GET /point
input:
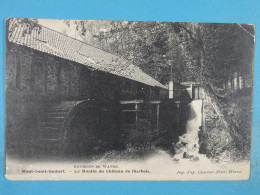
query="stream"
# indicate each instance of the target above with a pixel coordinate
(187, 149)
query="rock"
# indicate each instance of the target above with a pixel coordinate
(178, 145)
(175, 159)
(194, 158)
(191, 157)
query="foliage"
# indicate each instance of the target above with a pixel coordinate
(215, 142)
(140, 135)
(207, 53)
(220, 141)
(223, 51)
(239, 108)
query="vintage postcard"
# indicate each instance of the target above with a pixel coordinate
(126, 100)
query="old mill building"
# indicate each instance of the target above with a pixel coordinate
(63, 95)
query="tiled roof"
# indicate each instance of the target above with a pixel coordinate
(58, 44)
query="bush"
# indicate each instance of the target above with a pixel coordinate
(239, 110)
(231, 142)
(140, 135)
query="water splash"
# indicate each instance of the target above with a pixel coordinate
(187, 149)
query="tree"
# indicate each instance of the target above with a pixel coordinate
(211, 54)
(225, 51)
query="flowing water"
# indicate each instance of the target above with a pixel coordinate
(187, 149)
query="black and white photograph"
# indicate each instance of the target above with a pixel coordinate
(127, 100)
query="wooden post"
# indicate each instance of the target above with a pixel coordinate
(157, 122)
(191, 89)
(235, 82)
(232, 83)
(238, 81)
(136, 114)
